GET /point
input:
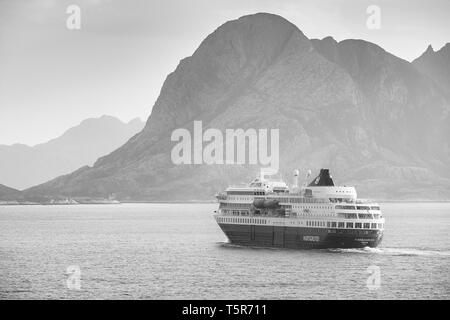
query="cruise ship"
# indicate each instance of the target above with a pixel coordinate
(268, 213)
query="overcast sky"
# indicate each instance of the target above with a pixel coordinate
(52, 78)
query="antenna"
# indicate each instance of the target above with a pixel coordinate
(296, 173)
(308, 174)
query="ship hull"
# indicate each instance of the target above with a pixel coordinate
(300, 237)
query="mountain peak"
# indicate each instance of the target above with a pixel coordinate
(265, 16)
(233, 56)
(263, 32)
(436, 65)
(329, 39)
(136, 120)
(95, 121)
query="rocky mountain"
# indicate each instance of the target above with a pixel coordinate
(372, 118)
(22, 166)
(407, 115)
(435, 64)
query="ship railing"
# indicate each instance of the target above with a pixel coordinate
(240, 185)
(364, 201)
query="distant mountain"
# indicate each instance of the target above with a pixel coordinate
(7, 193)
(23, 166)
(372, 118)
(436, 65)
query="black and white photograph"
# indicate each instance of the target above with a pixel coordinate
(224, 150)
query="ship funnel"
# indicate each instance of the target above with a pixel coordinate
(323, 179)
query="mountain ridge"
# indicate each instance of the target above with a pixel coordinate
(22, 166)
(435, 65)
(337, 105)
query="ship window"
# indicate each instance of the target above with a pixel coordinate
(328, 224)
(374, 225)
(350, 225)
(333, 224)
(366, 225)
(358, 225)
(340, 225)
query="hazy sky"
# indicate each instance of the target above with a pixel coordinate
(52, 78)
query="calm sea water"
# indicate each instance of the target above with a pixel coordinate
(176, 251)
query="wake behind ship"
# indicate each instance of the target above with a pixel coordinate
(267, 213)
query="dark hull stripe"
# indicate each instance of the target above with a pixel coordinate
(300, 237)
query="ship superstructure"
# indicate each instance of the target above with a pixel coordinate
(268, 213)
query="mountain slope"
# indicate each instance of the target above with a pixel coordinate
(351, 107)
(7, 193)
(22, 166)
(408, 112)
